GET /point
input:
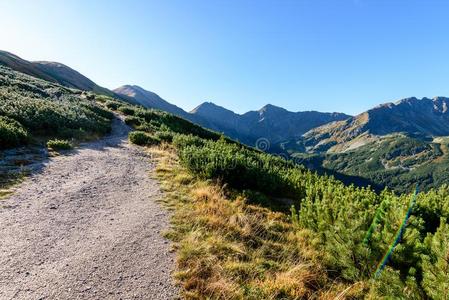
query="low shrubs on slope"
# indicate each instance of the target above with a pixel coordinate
(42, 108)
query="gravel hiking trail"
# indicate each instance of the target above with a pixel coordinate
(88, 226)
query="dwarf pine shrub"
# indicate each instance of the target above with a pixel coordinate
(127, 110)
(57, 144)
(142, 139)
(12, 133)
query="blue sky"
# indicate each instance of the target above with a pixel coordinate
(345, 55)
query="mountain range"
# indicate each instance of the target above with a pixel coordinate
(272, 123)
(415, 117)
(386, 145)
(394, 144)
(148, 99)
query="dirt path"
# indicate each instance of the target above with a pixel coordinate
(87, 227)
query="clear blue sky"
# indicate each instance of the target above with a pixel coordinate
(342, 55)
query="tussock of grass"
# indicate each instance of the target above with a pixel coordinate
(7, 183)
(4, 193)
(57, 144)
(229, 249)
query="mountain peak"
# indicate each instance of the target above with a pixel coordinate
(53, 72)
(210, 107)
(52, 63)
(272, 108)
(130, 87)
(148, 99)
(272, 111)
(409, 101)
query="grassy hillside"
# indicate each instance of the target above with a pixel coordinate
(33, 111)
(32, 107)
(236, 237)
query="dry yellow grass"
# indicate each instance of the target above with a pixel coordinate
(5, 192)
(8, 183)
(229, 249)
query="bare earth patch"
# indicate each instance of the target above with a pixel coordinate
(88, 226)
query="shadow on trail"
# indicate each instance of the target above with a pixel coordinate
(31, 160)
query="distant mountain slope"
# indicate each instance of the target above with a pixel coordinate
(273, 123)
(397, 161)
(393, 145)
(66, 76)
(220, 119)
(218, 116)
(149, 99)
(53, 72)
(16, 63)
(417, 117)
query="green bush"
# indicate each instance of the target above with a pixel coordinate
(240, 167)
(436, 263)
(59, 144)
(147, 127)
(12, 133)
(142, 139)
(181, 141)
(99, 111)
(164, 136)
(127, 110)
(133, 121)
(114, 105)
(102, 98)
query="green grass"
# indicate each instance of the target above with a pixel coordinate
(59, 144)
